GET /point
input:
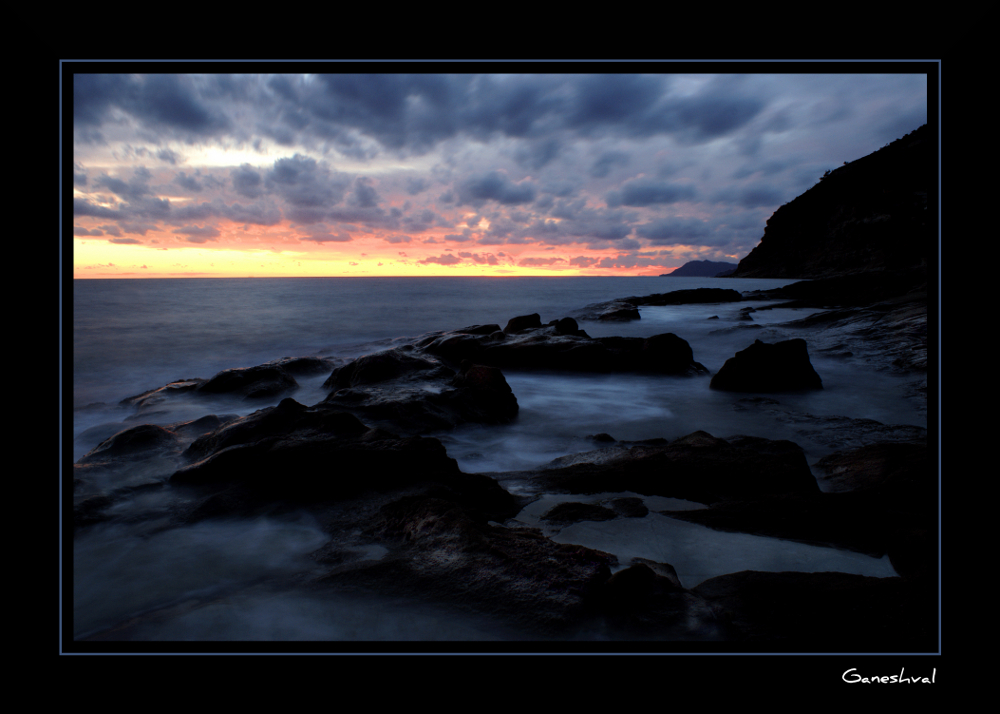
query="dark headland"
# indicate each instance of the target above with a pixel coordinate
(362, 463)
(702, 269)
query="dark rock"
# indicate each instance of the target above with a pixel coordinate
(139, 442)
(309, 460)
(479, 330)
(443, 554)
(483, 394)
(381, 367)
(282, 420)
(698, 467)
(689, 297)
(624, 313)
(635, 588)
(304, 366)
(557, 348)
(262, 381)
(522, 323)
(854, 290)
(155, 396)
(602, 438)
(565, 326)
(204, 425)
(763, 367)
(415, 392)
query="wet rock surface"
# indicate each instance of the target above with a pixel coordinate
(558, 346)
(698, 467)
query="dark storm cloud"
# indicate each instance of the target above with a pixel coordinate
(415, 185)
(605, 100)
(303, 183)
(189, 183)
(400, 111)
(170, 157)
(125, 241)
(171, 101)
(132, 190)
(198, 234)
(673, 231)
(261, 214)
(495, 186)
(422, 221)
(164, 101)
(759, 195)
(363, 196)
(646, 192)
(537, 154)
(413, 113)
(513, 106)
(83, 207)
(95, 94)
(607, 161)
(765, 168)
(80, 231)
(247, 182)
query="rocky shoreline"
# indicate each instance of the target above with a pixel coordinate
(362, 463)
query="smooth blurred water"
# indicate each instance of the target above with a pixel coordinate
(133, 335)
(218, 581)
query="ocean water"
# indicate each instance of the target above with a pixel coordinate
(130, 336)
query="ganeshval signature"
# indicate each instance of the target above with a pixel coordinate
(852, 677)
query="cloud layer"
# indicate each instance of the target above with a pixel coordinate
(606, 173)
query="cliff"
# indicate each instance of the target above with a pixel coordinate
(872, 214)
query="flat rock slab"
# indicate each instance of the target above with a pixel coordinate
(529, 346)
(698, 467)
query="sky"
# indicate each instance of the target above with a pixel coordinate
(339, 174)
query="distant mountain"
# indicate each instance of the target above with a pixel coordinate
(701, 269)
(874, 213)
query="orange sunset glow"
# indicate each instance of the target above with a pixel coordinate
(274, 175)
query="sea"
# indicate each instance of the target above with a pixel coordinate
(131, 336)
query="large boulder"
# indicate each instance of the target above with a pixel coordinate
(405, 389)
(522, 323)
(763, 367)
